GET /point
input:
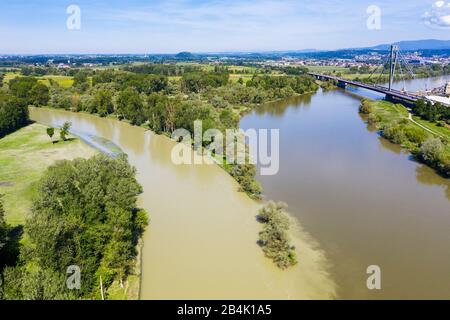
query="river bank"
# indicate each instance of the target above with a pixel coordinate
(203, 245)
(396, 124)
(29, 150)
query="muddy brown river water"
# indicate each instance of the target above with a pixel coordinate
(364, 199)
(201, 241)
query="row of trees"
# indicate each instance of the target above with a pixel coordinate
(143, 83)
(84, 215)
(200, 81)
(433, 112)
(283, 86)
(162, 69)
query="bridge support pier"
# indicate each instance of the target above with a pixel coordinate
(395, 99)
(342, 84)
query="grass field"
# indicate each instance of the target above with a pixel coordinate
(389, 111)
(24, 156)
(442, 131)
(63, 81)
(11, 75)
(236, 77)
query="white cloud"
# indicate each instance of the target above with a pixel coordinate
(438, 16)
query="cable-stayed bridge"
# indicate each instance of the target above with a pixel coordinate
(398, 96)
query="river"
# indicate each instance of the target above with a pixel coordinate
(362, 198)
(201, 241)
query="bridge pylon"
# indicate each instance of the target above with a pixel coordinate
(393, 58)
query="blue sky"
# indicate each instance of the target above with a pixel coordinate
(147, 26)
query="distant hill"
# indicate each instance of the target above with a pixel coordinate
(430, 44)
(185, 55)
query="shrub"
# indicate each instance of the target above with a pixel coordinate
(373, 119)
(432, 150)
(394, 133)
(415, 135)
(245, 176)
(273, 238)
(365, 107)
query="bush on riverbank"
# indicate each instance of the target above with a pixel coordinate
(433, 152)
(365, 107)
(394, 125)
(245, 176)
(274, 239)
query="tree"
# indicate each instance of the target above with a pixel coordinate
(39, 95)
(130, 105)
(84, 214)
(21, 283)
(13, 113)
(3, 230)
(21, 88)
(102, 103)
(432, 150)
(197, 82)
(65, 130)
(81, 81)
(50, 133)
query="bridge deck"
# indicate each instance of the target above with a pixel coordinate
(392, 93)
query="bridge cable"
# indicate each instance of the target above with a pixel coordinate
(375, 70)
(402, 76)
(382, 71)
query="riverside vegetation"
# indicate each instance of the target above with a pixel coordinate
(145, 96)
(429, 146)
(83, 213)
(274, 238)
